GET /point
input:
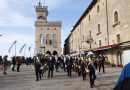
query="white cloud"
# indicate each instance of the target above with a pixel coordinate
(11, 18)
(7, 40)
(22, 38)
(16, 19)
(3, 5)
(55, 4)
(11, 21)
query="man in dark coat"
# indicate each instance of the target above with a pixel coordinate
(50, 63)
(83, 66)
(37, 66)
(92, 75)
(69, 63)
(123, 82)
(0, 59)
(101, 63)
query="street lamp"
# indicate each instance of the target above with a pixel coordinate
(90, 41)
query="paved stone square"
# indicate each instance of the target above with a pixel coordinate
(25, 80)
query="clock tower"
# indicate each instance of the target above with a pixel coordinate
(41, 12)
(47, 33)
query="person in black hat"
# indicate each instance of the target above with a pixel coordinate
(92, 75)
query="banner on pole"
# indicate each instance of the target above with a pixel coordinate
(22, 48)
(29, 48)
(11, 46)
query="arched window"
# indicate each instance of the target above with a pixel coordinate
(41, 39)
(54, 28)
(99, 28)
(98, 8)
(116, 18)
(89, 18)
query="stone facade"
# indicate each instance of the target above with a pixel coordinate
(119, 31)
(103, 28)
(48, 33)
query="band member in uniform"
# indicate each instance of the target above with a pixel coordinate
(92, 75)
(37, 66)
(101, 63)
(69, 63)
(83, 66)
(50, 63)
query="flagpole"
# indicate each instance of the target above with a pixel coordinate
(30, 50)
(24, 50)
(30, 53)
(15, 48)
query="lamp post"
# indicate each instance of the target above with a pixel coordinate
(90, 40)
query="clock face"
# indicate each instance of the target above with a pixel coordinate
(41, 17)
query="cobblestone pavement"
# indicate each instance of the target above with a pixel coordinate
(25, 80)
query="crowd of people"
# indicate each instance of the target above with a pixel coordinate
(15, 62)
(81, 66)
(48, 63)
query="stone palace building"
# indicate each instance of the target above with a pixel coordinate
(48, 33)
(104, 27)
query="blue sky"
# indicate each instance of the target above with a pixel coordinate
(17, 21)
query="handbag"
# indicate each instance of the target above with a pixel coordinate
(12, 66)
(96, 72)
(87, 70)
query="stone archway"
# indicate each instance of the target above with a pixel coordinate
(55, 52)
(48, 52)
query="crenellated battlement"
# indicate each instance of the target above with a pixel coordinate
(54, 22)
(48, 23)
(39, 6)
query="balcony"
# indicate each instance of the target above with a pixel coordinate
(116, 23)
(89, 40)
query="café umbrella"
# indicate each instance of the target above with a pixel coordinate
(90, 54)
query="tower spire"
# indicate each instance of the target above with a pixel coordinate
(42, 11)
(39, 4)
